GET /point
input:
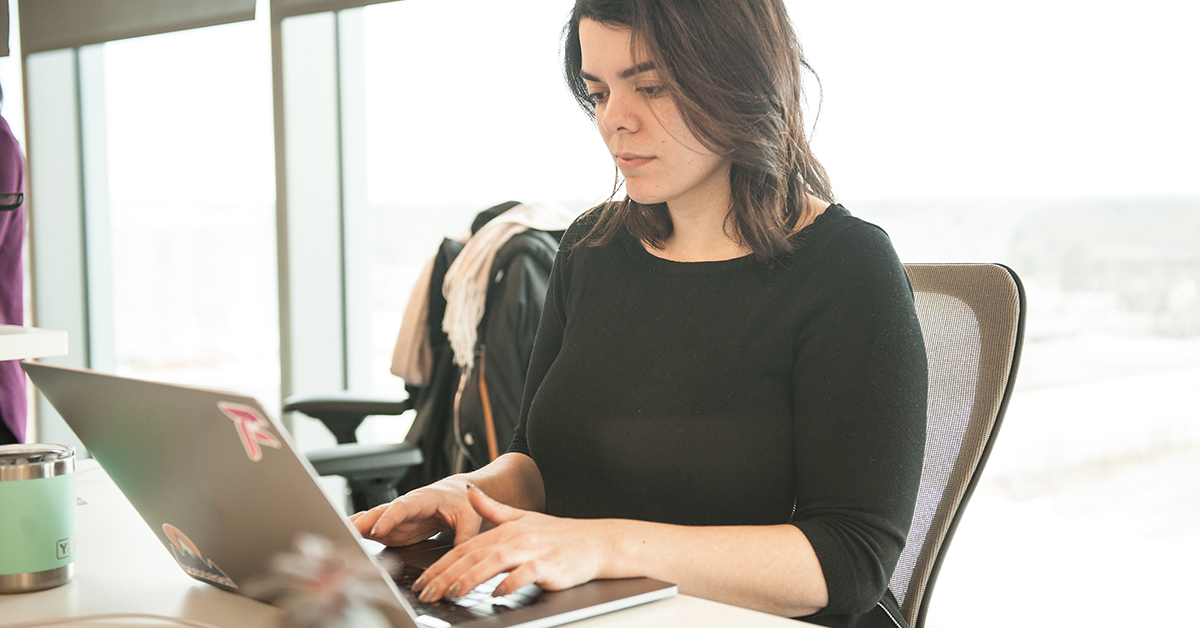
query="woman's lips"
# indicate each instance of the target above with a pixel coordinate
(632, 162)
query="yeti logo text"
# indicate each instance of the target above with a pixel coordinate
(253, 428)
(65, 548)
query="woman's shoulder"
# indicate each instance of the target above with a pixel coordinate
(588, 235)
(836, 231)
(582, 225)
(575, 249)
(846, 250)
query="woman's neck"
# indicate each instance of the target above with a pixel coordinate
(700, 237)
(700, 231)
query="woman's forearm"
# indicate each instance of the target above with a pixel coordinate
(512, 479)
(768, 568)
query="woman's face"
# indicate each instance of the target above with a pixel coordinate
(656, 152)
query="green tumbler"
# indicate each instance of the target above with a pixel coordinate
(37, 517)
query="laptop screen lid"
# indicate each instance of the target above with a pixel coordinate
(217, 480)
(222, 487)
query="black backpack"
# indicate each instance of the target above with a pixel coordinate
(466, 417)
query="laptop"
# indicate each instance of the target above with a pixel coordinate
(222, 486)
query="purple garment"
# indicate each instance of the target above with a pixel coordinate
(12, 301)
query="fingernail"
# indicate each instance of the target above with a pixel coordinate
(452, 592)
(427, 596)
(419, 584)
(374, 530)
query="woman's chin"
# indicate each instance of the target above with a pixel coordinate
(643, 197)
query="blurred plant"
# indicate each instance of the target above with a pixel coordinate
(320, 586)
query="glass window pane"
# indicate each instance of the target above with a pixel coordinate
(191, 186)
(1057, 138)
(466, 108)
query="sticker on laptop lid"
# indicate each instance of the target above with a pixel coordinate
(192, 561)
(253, 428)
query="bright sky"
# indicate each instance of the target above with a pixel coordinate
(926, 98)
(1022, 98)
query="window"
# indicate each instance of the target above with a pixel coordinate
(1057, 138)
(191, 189)
(466, 108)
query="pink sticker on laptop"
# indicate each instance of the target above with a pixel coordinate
(253, 428)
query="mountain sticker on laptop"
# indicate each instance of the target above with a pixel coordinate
(253, 428)
(192, 561)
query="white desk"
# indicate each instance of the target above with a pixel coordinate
(122, 568)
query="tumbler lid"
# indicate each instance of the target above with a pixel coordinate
(27, 462)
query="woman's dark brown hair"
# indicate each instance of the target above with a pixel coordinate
(734, 69)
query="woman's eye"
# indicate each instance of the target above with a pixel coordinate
(653, 91)
(598, 97)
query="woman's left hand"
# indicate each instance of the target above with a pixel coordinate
(535, 548)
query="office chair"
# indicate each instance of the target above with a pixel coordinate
(973, 320)
(372, 471)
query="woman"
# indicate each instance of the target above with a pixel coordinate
(727, 389)
(12, 300)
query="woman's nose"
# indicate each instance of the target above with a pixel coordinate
(620, 114)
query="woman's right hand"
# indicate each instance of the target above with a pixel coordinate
(421, 513)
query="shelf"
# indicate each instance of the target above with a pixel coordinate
(22, 343)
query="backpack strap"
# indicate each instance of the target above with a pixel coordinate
(489, 421)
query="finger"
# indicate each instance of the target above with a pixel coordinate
(488, 568)
(355, 518)
(401, 509)
(462, 569)
(436, 580)
(467, 526)
(491, 509)
(523, 575)
(363, 521)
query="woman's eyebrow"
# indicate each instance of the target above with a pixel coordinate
(637, 69)
(630, 72)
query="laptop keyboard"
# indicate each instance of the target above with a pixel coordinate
(476, 604)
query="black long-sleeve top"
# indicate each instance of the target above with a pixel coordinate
(737, 393)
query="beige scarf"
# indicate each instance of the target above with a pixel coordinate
(465, 288)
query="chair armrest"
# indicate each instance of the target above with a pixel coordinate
(366, 462)
(346, 403)
(343, 412)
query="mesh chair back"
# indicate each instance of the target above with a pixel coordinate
(972, 318)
